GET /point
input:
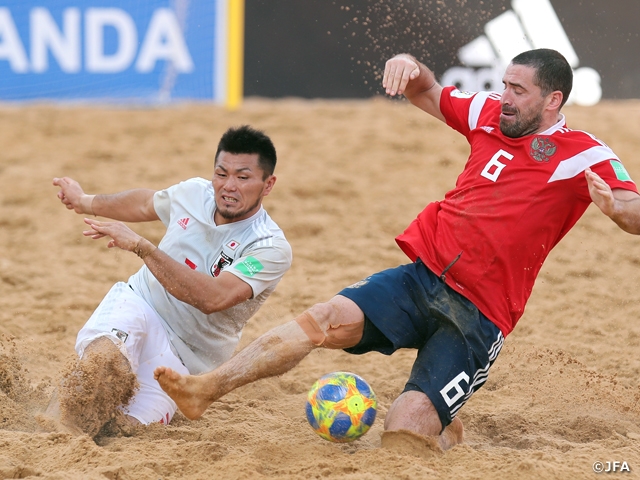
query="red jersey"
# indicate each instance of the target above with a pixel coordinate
(514, 201)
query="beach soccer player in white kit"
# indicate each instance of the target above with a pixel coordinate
(220, 259)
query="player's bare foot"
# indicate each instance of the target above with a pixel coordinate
(186, 390)
(452, 435)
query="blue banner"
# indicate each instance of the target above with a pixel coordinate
(114, 50)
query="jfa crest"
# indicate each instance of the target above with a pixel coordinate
(542, 148)
(222, 261)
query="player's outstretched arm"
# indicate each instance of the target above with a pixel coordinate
(404, 75)
(204, 292)
(621, 206)
(128, 206)
(73, 197)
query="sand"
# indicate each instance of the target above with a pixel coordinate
(564, 393)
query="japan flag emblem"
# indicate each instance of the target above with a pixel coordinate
(233, 244)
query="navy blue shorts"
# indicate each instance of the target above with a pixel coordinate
(410, 307)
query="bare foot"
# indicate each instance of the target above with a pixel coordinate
(186, 390)
(452, 435)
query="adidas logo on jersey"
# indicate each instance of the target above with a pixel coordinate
(487, 129)
(183, 222)
(530, 24)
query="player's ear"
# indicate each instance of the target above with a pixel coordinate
(555, 100)
(268, 185)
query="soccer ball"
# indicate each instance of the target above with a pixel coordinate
(341, 407)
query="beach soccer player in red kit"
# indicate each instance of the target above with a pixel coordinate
(474, 255)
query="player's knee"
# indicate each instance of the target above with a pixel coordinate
(326, 326)
(413, 410)
(314, 321)
(323, 314)
(108, 347)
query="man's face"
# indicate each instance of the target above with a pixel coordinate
(239, 186)
(522, 102)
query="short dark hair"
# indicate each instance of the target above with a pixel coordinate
(244, 139)
(553, 72)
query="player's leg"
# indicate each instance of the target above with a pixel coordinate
(150, 403)
(117, 345)
(334, 324)
(453, 364)
(410, 307)
(412, 411)
(91, 391)
(424, 408)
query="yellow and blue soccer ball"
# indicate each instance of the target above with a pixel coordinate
(341, 407)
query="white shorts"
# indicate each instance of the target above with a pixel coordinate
(135, 328)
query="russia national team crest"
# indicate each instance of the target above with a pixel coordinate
(542, 148)
(222, 261)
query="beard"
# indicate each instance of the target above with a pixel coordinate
(522, 125)
(232, 215)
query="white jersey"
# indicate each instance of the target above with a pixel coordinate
(255, 250)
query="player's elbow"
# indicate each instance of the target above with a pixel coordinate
(213, 305)
(627, 222)
(210, 307)
(632, 228)
(203, 302)
(222, 296)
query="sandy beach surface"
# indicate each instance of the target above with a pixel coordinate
(564, 393)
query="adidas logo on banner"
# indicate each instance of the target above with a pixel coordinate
(531, 24)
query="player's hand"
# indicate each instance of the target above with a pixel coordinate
(121, 235)
(600, 192)
(72, 196)
(398, 71)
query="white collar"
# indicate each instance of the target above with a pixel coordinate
(554, 128)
